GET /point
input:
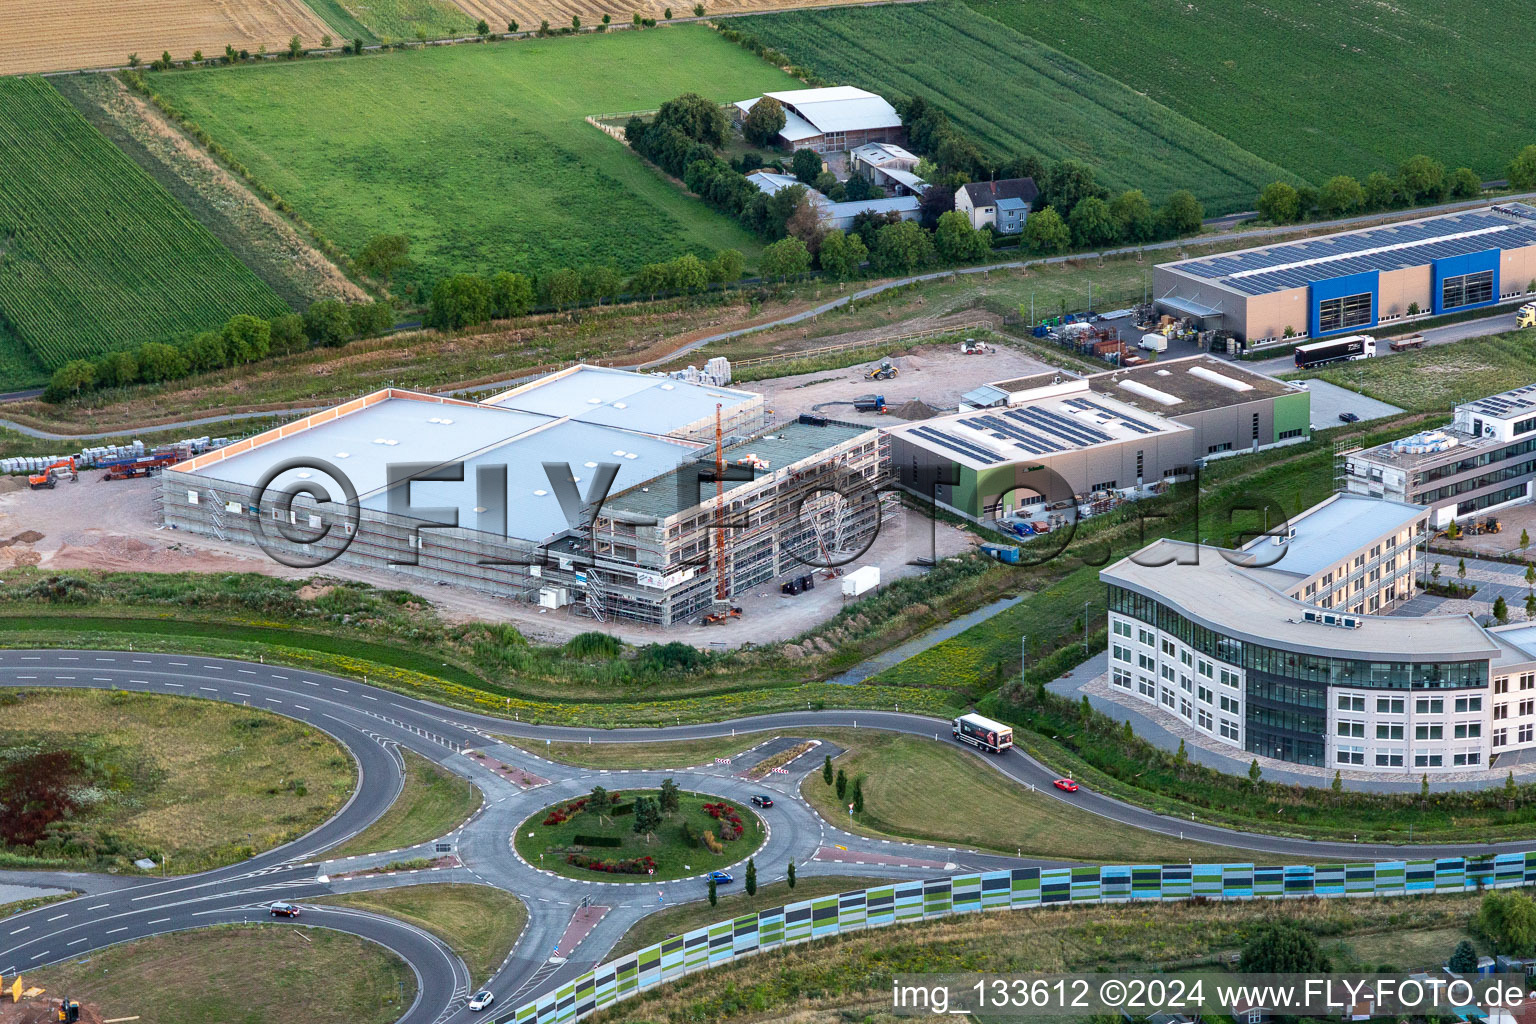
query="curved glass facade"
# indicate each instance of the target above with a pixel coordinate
(1286, 706)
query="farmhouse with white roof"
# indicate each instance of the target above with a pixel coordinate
(833, 120)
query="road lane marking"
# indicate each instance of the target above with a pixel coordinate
(159, 920)
(23, 928)
(239, 694)
(301, 707)
(56, 917)
(76, 942)
(98, 906)
(114, 931)
(210, 689)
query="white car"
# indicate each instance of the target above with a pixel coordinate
(482, 999)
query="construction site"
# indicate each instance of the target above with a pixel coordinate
(699, 497)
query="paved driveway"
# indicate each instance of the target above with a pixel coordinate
(1329, 400)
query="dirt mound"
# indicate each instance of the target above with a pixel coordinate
(916, 409)
(907, 362)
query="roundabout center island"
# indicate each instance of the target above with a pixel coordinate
(645, 835)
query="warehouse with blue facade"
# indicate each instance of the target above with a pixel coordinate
(1356, 280)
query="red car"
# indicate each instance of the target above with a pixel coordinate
(1067, 785)
(283, 910)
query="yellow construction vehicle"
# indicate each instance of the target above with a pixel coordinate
(1526, 316)
(885, 371)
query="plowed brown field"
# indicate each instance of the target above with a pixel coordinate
(528, 13)
(57, 35)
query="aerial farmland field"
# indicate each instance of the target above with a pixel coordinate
(57, 35)
(93, 254)
(480, 154)
(1015, 96)
(1322, 88)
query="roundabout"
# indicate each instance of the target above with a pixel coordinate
(572, 922)
(640, 836)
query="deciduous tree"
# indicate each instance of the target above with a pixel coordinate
(1282, 948)
(1181, 214)
(383, 255)
(902, 248)
(1341, 195)
(457, 301)
(1133, 216)
(841, 255)
(726, 266)
(561, 288)
(510, 294)
(1092, 224)
(957, 241)
(765, 120)
(786, 258)
(1521, 171)
(806, 165)
(1046, 234)
(248, 338)
(1277, 203)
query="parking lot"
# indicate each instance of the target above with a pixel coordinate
(1329, 400)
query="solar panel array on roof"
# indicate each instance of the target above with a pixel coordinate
(1418, 243)
(1021, 438)
(1502, 405)
(1076, 434)
(970, 449)
(1129, 421)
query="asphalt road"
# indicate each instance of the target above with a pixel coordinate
(373, 724)
(1461, 331)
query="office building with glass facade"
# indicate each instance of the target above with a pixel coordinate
(1241, 648)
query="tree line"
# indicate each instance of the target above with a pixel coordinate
(1420, 181)
(464, 300)
(243, 339)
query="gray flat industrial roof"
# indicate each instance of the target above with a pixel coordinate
(1035, 427)
(621, 398)
(406, 429)
(680, 490)
(1217, 383)
(1224, 597)
(1333, 531)
(1413, 243)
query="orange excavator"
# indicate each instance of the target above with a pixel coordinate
(50, 476)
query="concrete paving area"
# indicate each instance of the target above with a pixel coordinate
(112, 526)
(936, 375)
(1492, 579)
(1330, 400)
(1507, 541)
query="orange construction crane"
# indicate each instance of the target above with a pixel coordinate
(722, 588)
(47, 479)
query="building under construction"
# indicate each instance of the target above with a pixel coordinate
(611, 493)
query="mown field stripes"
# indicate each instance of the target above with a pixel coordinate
(1017, 96)
(94, 255)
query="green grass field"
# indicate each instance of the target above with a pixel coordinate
(480, 153)
(205, 783)
(251, 974)
(432, 801)
(480, 923)
(1322, 89)
(1434, 379)
(1014, 95)
(94, 255)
